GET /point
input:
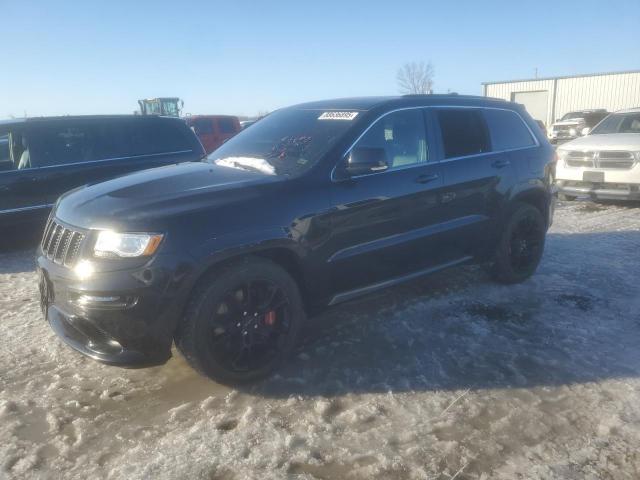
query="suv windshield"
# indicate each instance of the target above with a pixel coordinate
(619, 123)
(572, 115)
(286, 142)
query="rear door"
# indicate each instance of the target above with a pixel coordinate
(383, 223)
(477, 180)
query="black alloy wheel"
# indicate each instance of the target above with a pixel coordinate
(250, 325)
(521, 245)
(242, 321)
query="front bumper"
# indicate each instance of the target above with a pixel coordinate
(601, 191)
(123, 317)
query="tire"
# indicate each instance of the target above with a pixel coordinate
(521, 245)
(219, 321)
(566, 198)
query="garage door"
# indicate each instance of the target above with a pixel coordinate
(536, 103)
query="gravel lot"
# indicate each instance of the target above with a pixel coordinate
(449, 377)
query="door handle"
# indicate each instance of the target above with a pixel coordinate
(501, 163)
(426, 178)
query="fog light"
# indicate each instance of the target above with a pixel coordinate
(111, 301)
(83, 269)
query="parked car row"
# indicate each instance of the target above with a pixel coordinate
(605, 163)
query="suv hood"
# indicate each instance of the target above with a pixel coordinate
(610, 141)
(143, 198)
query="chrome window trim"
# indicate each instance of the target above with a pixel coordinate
(444, 160)
(24, 209)
(146, 155)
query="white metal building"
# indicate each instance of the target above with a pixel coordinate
(550, 98)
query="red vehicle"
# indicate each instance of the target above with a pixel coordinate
(213, 130)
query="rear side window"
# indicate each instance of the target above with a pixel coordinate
(147, 138)
(464, 132)
(110, 140)
(226, 125)
(508, 130)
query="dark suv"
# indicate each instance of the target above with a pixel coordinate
(313, 205)
(41, 158)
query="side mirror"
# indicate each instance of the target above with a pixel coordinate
(585, 131)
(363, 160)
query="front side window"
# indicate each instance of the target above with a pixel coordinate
(464, 132)
(619, 123)
(401, 135)
(4, 148)
(15, 150)
(507, 130)
(58, 144)
(286, 142)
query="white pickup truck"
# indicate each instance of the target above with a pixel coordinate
(605, 164)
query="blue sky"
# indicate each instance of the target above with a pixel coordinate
(242, 57)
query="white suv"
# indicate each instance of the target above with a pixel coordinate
(604, 164)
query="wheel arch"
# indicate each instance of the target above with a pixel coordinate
(282, 251)
(537, 197)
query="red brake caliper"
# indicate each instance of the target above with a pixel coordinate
(270, 318)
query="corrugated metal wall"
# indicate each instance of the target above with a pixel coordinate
(611, 91)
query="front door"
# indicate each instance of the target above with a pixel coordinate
(383, 223)
(20, 197)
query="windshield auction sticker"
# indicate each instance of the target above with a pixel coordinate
(338, 116)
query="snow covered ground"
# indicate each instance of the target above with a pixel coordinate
(449, 377)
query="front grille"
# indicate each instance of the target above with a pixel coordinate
(562, 128)
(619, 160)
(580, 159)
(61, 244)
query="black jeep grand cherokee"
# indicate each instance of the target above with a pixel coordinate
(313, 205)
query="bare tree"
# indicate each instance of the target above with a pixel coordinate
(415, 78)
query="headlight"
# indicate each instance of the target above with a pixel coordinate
(113, 244)
(573, 132)
(561, 156)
